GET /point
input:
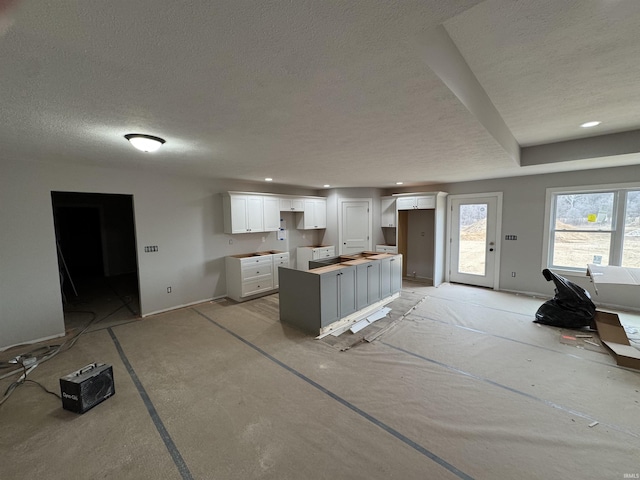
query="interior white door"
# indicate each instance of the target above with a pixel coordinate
(474, 240)
(355, 227)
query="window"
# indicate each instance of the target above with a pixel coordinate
(597, 226)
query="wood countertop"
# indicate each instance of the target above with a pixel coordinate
(328, 268)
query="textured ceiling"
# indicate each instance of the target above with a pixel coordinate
(313, 92)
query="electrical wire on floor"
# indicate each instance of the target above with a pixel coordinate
(29, 361)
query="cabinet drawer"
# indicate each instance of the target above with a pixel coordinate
(255, 261)
(257, 285)
(281, 263)
(251, 271)
(280, 257)
(323, 252)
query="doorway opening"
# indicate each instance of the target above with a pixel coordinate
(416, 244)
(97, 261)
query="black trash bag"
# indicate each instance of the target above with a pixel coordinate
(570, 308)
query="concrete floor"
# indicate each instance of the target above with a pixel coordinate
(464, 386)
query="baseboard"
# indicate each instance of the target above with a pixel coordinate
(178, 307)
(31, 342)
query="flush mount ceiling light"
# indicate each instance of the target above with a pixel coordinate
(327, 185)
(399, 183)
(595, 123)
(146, 143)
(268, 179)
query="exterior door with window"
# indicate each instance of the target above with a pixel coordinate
(474, 226)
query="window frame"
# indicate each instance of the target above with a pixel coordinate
(619, 190)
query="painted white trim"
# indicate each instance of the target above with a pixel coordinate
(178, 307)
(550, 192)
(468, 196)
(30, 342)
(369, 233)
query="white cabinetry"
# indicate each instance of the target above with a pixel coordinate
(315, 214)
(305, 254)
(250, 213)
(252, 274)
(419, 202)
(387, 248)
(387, 212)
(271, 214)
(279, 260)
(291, 204)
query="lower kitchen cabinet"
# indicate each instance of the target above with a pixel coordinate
(306, 254)
(337, 295)
(367, 284)
(279, 260)
(251, 275)
(390, 275)
(315, 299)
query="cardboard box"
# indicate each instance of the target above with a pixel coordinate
(614, 338)
(612, 275)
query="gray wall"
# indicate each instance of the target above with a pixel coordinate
(523, 215)
(183, 216)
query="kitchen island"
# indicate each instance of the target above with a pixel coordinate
(339, 292)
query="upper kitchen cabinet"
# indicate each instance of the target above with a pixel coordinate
(387, 212)
(271, 214)
(416, 201)
(250, 213)
(314, 215)
(291, 204)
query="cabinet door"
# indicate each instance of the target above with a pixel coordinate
(297, 204)
(385, 277)
(320, 213)
(362, 286)
(271, 212)
(387, 212)
(255, 213)
(406, 203)
(426, 202)
(285, 205)
(329, 298)
(315, 214)
(373, 282)
(347, 283)
(239, 214)
(396, 273)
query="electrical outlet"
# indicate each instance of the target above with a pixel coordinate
(513, 274)
(168, 289)
(230, 241)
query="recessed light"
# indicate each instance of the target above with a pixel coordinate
(399, 183)
(327, 186)
(268, 179)
(595, 123)
(146, 143)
